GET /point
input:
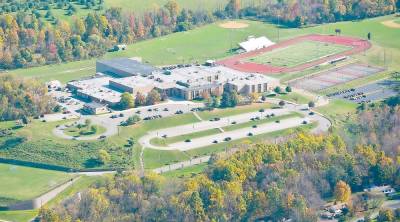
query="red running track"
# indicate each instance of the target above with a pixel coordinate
(236, 62)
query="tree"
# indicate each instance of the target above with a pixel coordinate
(342, 192)
(288, 89)
(230, 98)
(126, 101)
(153, 97)
(278, 90)
(311, 104)
(140, 99)
(254, 97)
(173, 7)
(233, 8)
(385, 215)
(103, 157)
(88, 122)
(132, 120)
(93, 129)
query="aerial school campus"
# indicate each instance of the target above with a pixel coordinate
(306, 80)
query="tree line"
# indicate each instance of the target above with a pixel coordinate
(260, 182)
(27, 39)
(22, 98)
(307, 12)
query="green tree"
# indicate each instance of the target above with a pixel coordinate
(126, 101)
(278, 90)
(103, 156)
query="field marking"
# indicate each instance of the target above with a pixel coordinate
(391, 24)
(233, 25)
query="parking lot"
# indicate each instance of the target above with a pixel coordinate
(335, 77)
(372, 92)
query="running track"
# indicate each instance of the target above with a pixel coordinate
(236, 62)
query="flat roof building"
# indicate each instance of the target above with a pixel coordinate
(124, 67)
(96, 90)
(187, 82)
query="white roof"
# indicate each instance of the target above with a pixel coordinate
(256, 43)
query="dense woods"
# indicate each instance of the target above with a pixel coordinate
(259, 182)
(30, 37)
(21, 98)
(300, 13)
(28, 40)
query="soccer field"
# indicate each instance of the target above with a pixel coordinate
(298, 54)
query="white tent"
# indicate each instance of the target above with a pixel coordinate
(255, 43)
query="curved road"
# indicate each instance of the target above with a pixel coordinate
(323, 126)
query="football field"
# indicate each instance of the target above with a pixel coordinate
(298, 54)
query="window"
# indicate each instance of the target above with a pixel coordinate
(265, 87)
(253, 88)
(259, 88)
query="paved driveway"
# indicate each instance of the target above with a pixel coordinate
(111, 124)
(323, 126)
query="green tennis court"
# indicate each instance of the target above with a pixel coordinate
(297, 54)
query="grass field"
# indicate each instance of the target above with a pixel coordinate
(22, 183)
(196, 45)
(187, 171)
(298, 54)
(338, 111)
(74, 131)
(233, 111)
(18, 216)
(169, 140)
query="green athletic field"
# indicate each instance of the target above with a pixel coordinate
(20, 183)
(209, 42)
(298, 54)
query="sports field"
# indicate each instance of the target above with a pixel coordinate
(297, 54)
(20, 183)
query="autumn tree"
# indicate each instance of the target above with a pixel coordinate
(342, 192)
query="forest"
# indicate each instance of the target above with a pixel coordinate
(260, 182)
(22, 98)
(29, 38)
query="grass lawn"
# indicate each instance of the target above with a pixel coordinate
(158, 158)
(7, 125)
(139, 6)
(186, 172)
(81, 184)
(297, 54)
(74, 131)
(18, 216)
(216, 148)
(196, 45)
(175, 139)
(207, 115)
(22, 183)
(338, 111)
(261, 121)
(294, 97)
